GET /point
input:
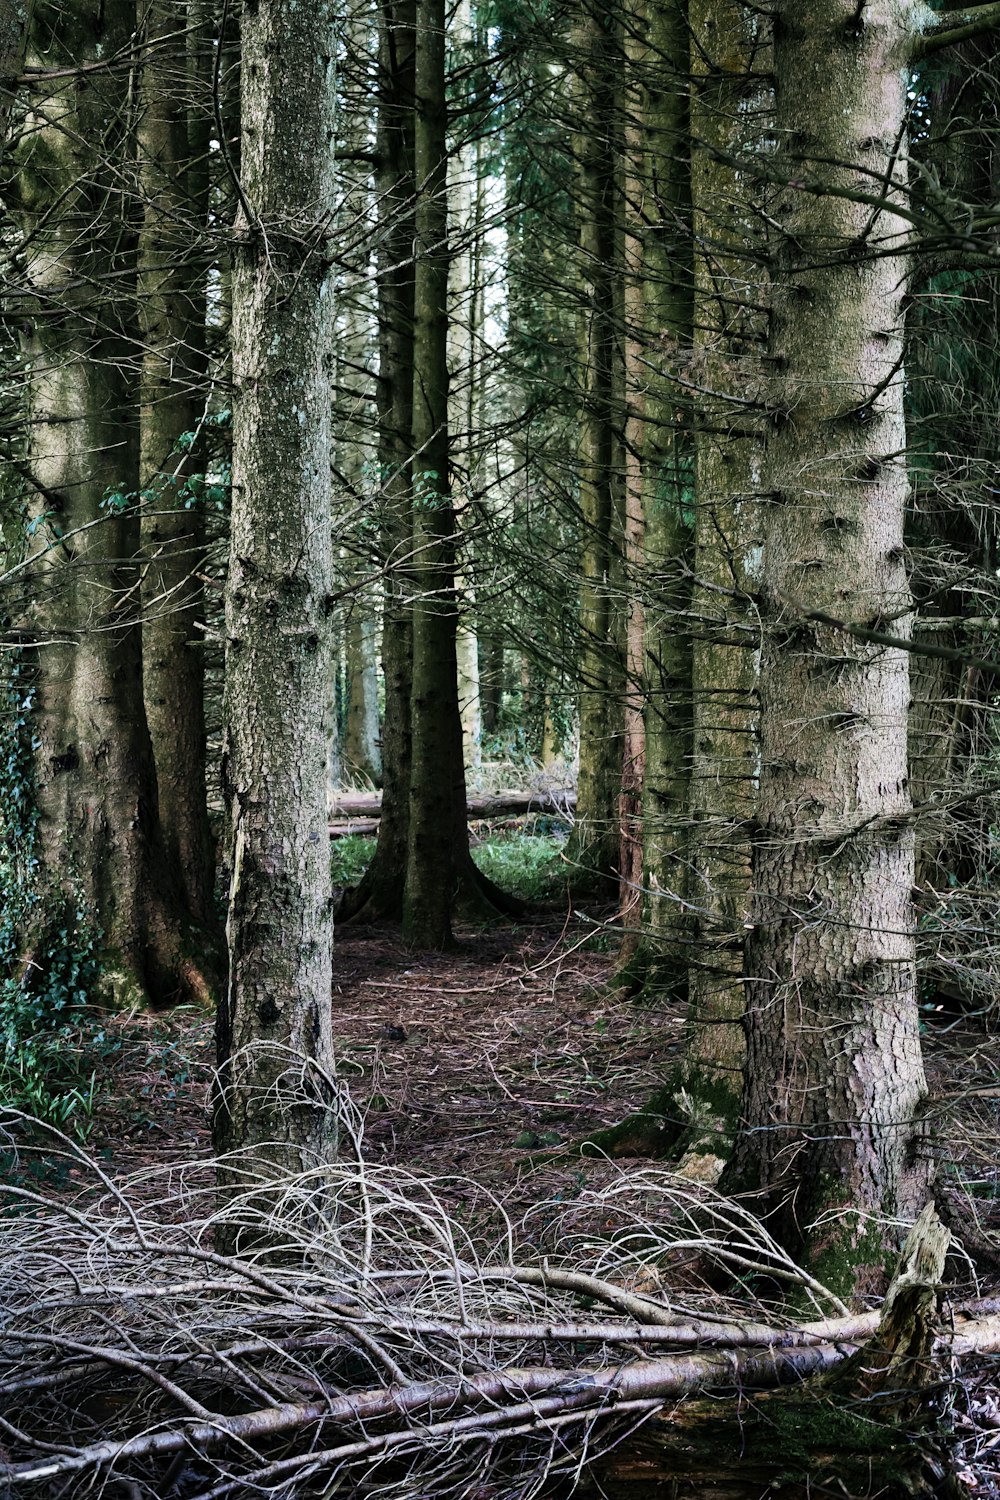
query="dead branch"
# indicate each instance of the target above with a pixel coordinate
(383, 1341)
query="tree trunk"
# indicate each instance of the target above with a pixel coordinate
(380, 893)
(835, 1082)
(594, 843)
(15, 21)
(464, 361)
(437, 782)
(668, 536)
(174, 396)
(276, 1020)
(355, 423)
(491, 683)
(728, 54)
(96, 783)
(362, 756)
(438, 862)
(634, 209)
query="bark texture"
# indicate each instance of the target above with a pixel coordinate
(664, 211)
(834, 1081)
(15, 19)
(465, 363)
(278, 599)
(729, 59)
(630, 806)
(439, 865)
(355, 417)
(437, 779)
(174, 145)
(99, 826)
(595, 842)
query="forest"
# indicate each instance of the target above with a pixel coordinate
(499, 835)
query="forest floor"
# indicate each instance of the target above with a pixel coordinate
(476, 1066)
(472, 1066)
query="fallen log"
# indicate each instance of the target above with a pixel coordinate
(136, 1352)
(557, 801)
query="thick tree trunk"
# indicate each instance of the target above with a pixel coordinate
(668, 536)
(834, 1082)
(99, 826)
(172, 285)
(595, 843)
(437, 779)
(728, 55)
(635, 339)
(275, 1022)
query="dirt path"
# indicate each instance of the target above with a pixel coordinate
(470, 1066)
(468, 1063)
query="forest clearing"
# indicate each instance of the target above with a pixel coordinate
(499, 757)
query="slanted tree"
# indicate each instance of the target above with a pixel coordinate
(279, 596)
(99, 831)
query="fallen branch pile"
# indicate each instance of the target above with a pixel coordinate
(374, 1340)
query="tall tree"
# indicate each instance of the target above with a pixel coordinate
(596, 44)
(355, 426)
(657, 268)
(834, 1081)
(437, 780)
(174, 133)
(276, 1016)
(422, 862)
(465, 365)
(96, 783)
(729, 112)
(667, 293)
(380, 892)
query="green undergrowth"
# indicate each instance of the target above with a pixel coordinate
(51, 1043)
(349, 858)
(525, 865)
